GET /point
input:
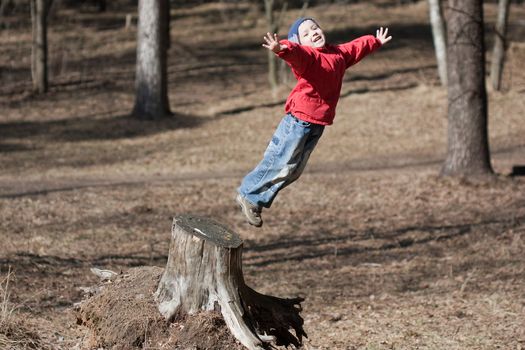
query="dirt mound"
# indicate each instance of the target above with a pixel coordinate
(17, 333)
(206, 330)
(123, 315)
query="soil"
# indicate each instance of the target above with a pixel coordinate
(122, 314)
(386, 253)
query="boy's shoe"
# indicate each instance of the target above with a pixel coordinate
(251, 212)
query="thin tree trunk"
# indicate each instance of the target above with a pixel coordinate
(439, 36)
(151, 101)
(102, 5)
(4, 6)
(39, 47)
(498, 54)
(272, 60)
(468, 148)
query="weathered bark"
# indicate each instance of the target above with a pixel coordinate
(498, 53)
(439, 36)
(151, 101)
(204, 272)
(468, 148)
(39, 46)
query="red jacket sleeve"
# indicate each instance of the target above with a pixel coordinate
(296, 56)
(355, 50)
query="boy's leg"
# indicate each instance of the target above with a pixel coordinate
(313, 137)
(283, 161)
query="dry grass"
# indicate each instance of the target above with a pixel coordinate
(6, 311)
(14, 334)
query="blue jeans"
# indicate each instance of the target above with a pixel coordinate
(283, 162)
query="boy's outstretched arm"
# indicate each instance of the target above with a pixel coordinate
(357, 49)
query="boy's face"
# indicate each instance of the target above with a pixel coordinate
(310, 34)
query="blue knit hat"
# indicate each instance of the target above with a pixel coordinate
(293, 33)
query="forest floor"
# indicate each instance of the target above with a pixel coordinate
(386, 253)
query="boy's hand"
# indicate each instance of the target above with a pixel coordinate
(272, 43)
(382, 35)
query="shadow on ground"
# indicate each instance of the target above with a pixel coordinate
(91, 127)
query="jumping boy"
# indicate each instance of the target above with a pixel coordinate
(319, 68)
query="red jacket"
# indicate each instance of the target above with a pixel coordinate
(319, 73)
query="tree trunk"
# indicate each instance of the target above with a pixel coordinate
(272, 60)
(101, 5)
(151, 101)
(4, 7)
(468, 148)
(204, 272)
(498, 54)
(39, 47)
(439, 36)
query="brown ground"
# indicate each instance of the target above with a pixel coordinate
(387, 254)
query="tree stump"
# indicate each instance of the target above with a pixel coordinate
(204, 272)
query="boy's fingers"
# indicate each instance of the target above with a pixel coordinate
(269, 38)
